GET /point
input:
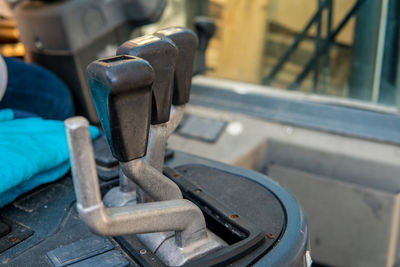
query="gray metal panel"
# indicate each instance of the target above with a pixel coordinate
(332, 165)
(79, 251)
(322, 117)
(109, 259)
(350, 225)
(201, 128)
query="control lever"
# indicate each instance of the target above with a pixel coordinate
(121, 88)
(162, 54)
(149, 47)
(205, 29)
(179, 77)
(186, 42)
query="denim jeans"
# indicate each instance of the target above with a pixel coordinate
(33, 89)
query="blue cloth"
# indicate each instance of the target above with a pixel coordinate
(33, 151)
(36, 90)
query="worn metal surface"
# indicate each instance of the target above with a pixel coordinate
(127, 192)
(115, 197)
(156, 146)
(176, 116)
(163, 245)
(158, 136)
(154, 240)
(151, 181)
(179, 215)
(173, 255)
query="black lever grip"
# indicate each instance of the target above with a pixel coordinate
(186, 41)
(121, 90)
(162, 55)
(205, 29)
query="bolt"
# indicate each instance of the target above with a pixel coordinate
(271, 236)
(143, 251)
(234, 216)
(13, 239)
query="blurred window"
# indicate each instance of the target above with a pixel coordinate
(342, 48)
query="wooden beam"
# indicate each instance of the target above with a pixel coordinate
(240, 42)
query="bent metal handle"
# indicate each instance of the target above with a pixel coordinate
(162, 55)
(178, 215)
(186, 41)
(121, 90)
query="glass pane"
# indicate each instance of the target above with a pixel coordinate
(341, 48)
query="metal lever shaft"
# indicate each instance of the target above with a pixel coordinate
(178, 215)
(121, 87)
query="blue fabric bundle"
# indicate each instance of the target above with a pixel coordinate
(33, 151)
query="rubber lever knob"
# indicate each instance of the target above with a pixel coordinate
(186, 41)
(205, 29)
(121, 90)
(162, 55)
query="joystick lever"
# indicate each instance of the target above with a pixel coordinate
(162, 55)
(186, 42)
(121, 88)
(171, 53)
(205, 28)
(173, 70)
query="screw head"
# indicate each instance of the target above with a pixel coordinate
(13, 239)
(271, 236)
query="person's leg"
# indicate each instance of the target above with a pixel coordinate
(36, 90)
